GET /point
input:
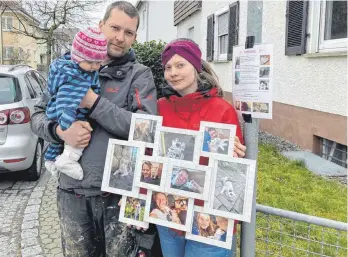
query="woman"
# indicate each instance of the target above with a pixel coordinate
(162, 211)
(193, 95)
(205, 226)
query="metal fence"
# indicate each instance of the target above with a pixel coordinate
(284, 233)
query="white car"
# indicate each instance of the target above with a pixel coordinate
(20, 149)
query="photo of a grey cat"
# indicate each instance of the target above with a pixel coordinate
(230, 187)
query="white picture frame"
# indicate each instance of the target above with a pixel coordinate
(152, 123)
(232, 188)
(191, 234)
(199, 183)
(137, 212)
(181, 148)
(151, 185)
(224, 143)
(184, 219)
(120, 169)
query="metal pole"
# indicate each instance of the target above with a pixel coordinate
(251, 140)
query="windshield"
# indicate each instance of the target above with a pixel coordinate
(9, 90)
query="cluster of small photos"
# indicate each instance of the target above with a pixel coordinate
(174, 179)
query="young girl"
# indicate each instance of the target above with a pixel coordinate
(193, 95)
(69, 79)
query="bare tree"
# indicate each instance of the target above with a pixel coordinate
(19, 57)
(46, 16)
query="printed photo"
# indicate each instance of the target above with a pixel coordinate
(210, 229)
(133, 210)
(218, 138)
(237, 77)
(179, 144)
(143, 128)
(264, 72)
(232, 181)
(245, 107)
(237, 105)
(121, 161)
(168, 210)
(261, 107)
(150, 172)
(188, 179)
(265, 60)
(264, 85)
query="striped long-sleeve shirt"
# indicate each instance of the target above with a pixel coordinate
(67, 85)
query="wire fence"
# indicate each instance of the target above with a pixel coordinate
(282, 233)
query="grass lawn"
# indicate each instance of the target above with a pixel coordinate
(289, 185)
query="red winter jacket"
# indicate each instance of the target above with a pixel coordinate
(188, 111)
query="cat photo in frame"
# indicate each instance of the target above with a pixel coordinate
(232, 188)
(122, 158)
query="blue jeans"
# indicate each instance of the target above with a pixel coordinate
(174, 245)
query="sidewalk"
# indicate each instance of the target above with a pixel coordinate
(40, 231)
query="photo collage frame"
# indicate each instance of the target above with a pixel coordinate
(174, 179)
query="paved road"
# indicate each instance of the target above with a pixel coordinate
(29, 224)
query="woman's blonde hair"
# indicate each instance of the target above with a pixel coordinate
(207, 78)
(209, 231)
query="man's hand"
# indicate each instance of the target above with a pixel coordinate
(78, 135)
(89, 99)
(239, 149)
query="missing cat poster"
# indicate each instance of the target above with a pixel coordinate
(253, 80)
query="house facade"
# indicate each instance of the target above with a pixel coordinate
(156, 21)
(310, 62)
(17, 48)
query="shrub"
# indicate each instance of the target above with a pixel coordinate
(149, 54)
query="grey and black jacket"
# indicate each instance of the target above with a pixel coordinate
(126, 87)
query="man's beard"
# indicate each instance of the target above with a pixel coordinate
(115, 54)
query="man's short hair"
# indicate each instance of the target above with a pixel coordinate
(124, 6)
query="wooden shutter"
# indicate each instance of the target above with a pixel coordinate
(210, 38)
(296, 27)
(233, 28)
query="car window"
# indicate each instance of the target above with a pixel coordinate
(42, 81)
(9, 90)
(32, 93)
(34, 83)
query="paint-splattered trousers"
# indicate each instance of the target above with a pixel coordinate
(90, 226)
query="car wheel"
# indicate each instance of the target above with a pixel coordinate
(34, 172)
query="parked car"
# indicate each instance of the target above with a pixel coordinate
(20, 149)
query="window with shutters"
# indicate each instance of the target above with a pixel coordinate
(225, 31)
(328, 27)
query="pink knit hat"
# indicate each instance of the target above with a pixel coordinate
(89, 45)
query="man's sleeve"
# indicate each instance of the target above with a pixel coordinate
(143, 99)
(41, 125)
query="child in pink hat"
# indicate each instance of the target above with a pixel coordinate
(69, 79)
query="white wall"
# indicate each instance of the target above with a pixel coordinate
(316, 83)
(161, 21)
(199, 20)
(142, 30)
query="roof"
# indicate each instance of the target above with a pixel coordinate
(6, 69)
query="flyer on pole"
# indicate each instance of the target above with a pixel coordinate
(253, 80)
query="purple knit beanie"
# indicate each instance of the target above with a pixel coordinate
(186, 49)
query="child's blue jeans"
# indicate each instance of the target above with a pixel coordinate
(174, 245)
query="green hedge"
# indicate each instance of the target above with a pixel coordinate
(149, 54)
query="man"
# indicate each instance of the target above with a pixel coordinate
(89, 217)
